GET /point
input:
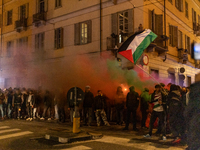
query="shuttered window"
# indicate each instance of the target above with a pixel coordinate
(179, 4)
(22, 43)
(83, 32)
(9, 17)
(39, 42)
(194, 19)
(23, 11)
(42, 6)
(58, 37)
(58, 3)
(173, 36)
(186, 10)
(9, 49)
(187, 44)
(180, 39)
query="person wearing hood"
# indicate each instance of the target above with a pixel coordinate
(176, 108)
(157, 99)
(88, 103)
(132, 102)
(144, 105)
(119, 103)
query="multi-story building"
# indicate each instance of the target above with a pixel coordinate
(42, 40)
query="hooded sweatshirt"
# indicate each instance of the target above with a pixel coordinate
(132, 101)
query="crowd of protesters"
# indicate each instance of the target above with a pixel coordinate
(176, 110)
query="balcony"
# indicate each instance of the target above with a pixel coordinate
(183, 55)
(21, 24)
(39, 19)
(196, 29)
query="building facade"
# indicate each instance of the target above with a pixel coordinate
(41, 40)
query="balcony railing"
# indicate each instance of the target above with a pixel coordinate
(39, 17)
(21, 24)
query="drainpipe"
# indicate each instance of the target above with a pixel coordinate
(1, 34)
(165, 23)
(100, 26)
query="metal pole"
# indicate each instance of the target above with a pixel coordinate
(165, 22)
(100, 26)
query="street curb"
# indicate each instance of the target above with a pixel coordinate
(90, 136)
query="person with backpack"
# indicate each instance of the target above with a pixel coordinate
(132, 103)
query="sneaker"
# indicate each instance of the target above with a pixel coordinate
(147, 136)
(177, 140)
(164, 138)
(31, 119)
(18, 118)
(42, 118)
(49, 118)
(28, 119)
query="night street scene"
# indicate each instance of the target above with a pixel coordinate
(100, 75)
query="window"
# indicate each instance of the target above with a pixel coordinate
(58, 37)
(194, 19)
(58, 3)
(122, 25)
(41, 6)
(180, 39)
(189, 81)
(179, 4)
(22, 43)
(171, 76)
(83, 32)
(9, 17)
(23, 11)
(186, 10)
(187, 44)
(154, 73)
(9, 51)
(173, 36)
(39, 42)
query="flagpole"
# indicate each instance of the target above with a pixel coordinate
(147, 73)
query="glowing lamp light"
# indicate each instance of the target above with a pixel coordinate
(125, 89)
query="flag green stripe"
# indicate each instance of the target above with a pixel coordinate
(143, 45)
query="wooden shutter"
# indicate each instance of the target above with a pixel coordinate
(5, 19)
(188, 45)
(176, 3)
(175, 36)
(115, 23)
(150, 20)
(55, 39)
(77, 34)
(159, 29)
(1, 23)
(130, 21)
(27, 10)
(61, 37)
(170, 34)
(46, 5)
(89, 31)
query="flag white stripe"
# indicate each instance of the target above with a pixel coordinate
(138, 40)
(4, 127)
(15, 135)
(9, 130)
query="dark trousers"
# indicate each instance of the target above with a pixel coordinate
(119, 115)
(46, 108)
(144, 118)
(129, 111)
(17, 108)
(160, 116)
(87, 115)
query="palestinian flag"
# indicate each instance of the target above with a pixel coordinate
(135, 45)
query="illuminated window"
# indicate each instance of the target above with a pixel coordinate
(83, 32)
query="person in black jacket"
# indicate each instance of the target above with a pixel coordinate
(99, 106)
(132, 103)
(88, 102)
(192, 117)
(176, 108)
(48, 100)
(17, 103)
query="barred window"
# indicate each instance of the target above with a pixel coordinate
(58, 38)
(39, 42)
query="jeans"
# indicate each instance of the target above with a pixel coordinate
(56, 111)
(9, 110)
